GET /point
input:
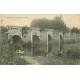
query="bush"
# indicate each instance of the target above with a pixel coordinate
(73, 54)
(39, 52)
(19, 61)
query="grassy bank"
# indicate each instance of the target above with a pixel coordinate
(8, 56)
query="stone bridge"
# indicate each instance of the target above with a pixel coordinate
(48, 38)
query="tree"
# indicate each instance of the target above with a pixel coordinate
(25, 29)
(75, 30)
(41, 23)
(57, 23)
(4, 29)
(34, 23)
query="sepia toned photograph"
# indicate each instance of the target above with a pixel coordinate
(39, 39)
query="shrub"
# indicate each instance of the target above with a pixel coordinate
(75, 54)
(39, 52)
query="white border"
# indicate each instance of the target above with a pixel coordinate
(39, 6)
(40, 72)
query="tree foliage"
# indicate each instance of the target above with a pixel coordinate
(41, 23)
(24, 30)
(4, 29)
(75, 30)
(57, 23)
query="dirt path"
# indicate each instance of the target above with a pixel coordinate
(30, 60)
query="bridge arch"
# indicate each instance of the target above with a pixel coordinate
(16, 39)
(61, 42)
(36, 44)
(50, 41)
(49, 38)
(14, 31)
(36, 39)
(16, 42)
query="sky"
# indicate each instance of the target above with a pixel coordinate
(71, 20)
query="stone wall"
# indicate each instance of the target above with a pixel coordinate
(54, 44)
